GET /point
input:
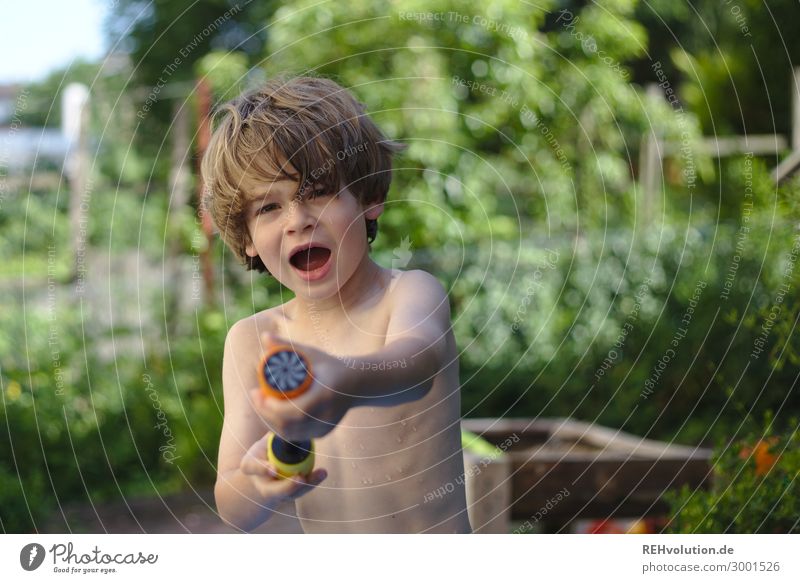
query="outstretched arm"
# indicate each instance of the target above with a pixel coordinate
(415, 350)
(402, 371)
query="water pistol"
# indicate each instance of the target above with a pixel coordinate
(285, 373)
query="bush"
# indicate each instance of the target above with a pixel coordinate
(602, 325)
(86, 426)
(755, 488)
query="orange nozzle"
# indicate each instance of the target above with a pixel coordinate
(284, 373)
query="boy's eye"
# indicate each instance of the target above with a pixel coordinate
(317, 192)
(266, 208)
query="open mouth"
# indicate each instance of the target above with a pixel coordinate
(311, 258)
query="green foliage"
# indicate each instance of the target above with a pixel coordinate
(571, 327)
(31, 224)
(225, 71)
(517, 191)
(42, 102)
(166, 41)
(748, 494)
(89, 425)
(123, 219)
(503, 118)
(732, 60)
(157, 32)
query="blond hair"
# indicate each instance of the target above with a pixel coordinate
(313, 124)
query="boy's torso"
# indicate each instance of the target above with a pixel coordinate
(382, 461)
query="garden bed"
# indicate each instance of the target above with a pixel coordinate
(562, 469)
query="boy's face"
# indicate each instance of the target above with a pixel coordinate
(281, 225)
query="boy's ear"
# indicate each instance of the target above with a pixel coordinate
(250, 249)
(373, 211)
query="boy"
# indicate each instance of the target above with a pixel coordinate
(297, 176)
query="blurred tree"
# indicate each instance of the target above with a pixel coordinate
(112, 116)
(165, 41)
(734, 59)
(511, 114)
(155, 32)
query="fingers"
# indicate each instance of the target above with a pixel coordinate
(254, 462)
(269, 483)
(298, 486)
(268, 339)
(276, 421)
(291, 488)
(286, 418)
(269, 336)
(253, 466)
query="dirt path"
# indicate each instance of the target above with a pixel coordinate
(175, 514)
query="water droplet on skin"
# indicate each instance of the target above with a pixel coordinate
(399, 439)
(403, 423)
(369, 480)
(399, 470)
(372, 409)
(413, 428)
(388, 477)
(354, 464)
(364, 481)
(361, 445)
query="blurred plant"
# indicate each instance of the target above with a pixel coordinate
(755, 488)
(512, 125)
(577, 327)
(88, 426)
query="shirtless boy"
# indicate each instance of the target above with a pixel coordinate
(295, 164)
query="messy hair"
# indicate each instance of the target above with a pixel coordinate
(316, 128)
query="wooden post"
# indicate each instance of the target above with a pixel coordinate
(791, 164)
(203, 91)
(796, 109)
(75, 128)
(649, 165)
(179, 195)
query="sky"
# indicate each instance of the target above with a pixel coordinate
(39, 36)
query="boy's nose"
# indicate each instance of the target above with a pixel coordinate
(299, 218)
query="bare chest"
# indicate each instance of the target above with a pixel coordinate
(353, 333)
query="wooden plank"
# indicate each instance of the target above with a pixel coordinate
(606, 472)
(628, 488)
(650, 168)
(722, 146)
(590, 434)
(796, 109)
(786, 168)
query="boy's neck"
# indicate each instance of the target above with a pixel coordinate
(365, 281)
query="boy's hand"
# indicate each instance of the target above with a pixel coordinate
(318, 410)
(265, 478)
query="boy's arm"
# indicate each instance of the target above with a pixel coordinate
(246, 490)
(238, 502)
(415, 349)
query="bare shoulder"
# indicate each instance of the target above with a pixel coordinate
(242, 343)
(248, 329)
(242, 352)
(418, 302)
(418, 287)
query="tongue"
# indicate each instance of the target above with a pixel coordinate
(311, 259)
